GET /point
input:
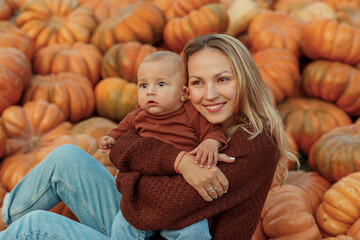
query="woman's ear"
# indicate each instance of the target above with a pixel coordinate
(185, 94)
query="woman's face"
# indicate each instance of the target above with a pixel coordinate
(212, 85)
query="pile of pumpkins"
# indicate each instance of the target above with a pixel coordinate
(68, 75)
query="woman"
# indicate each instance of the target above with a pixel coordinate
(226, 88)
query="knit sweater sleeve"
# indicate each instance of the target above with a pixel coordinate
(168, 202)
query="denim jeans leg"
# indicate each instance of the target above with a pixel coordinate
(71, 175)
(196, 231)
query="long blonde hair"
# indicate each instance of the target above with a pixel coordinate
(255, 106)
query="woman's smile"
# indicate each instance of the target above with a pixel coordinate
(214, 107)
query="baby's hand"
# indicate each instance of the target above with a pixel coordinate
(207, 153)
(106, 143)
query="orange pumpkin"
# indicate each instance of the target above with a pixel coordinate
(56, 21)
(339, 237)
(115, 97)
(15, 75)
(32, 126)
(333, 82)
(335, 154)
(12, 36)
(308, 119)
(72, 93)
(123, 60)
(280, 70)
(354, 230)
(340, 207)
(259, 232)
(287, 214)
(3, 137)
(289, 6)
(331, 40)
(3, 191)
(270, 29)
(335, 4)
(7, 8)
(211, 18)
(142, 21)
(349, 14)
(312, 184)
(80, 58)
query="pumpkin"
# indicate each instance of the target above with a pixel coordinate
(259, 232)
(290, 6)
(81, 58)
(123, 60)
(357, 121)
(336, 153)
(280, 70)
(354, 230)
(333, 82)
(340, 207)
(3, 137)
(348, 14)
(12, 36)
(95, 127)
(3, 191)
(314, 10)
(62, 209)
(339, 237)
(240, 14)
(115, 97)
(56, 21)
(7, 8)
(287, 214)
(308, 119)
(270, 29)
(312, 183)
(211, 18)
(331, 40)
(33, 125)
(15, 75)
(335, 4)
(103, 9)
(142, 21)
(71, 92)
(181, 8)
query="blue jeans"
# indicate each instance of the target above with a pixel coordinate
(71, 175)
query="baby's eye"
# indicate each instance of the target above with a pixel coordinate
(162, 84)
(143, 85)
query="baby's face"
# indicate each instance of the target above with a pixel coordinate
(161, 87)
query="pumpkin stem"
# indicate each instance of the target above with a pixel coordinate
(34, 142)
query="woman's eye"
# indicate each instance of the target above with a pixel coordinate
(162, 84)
(223, 79)
(195, 83)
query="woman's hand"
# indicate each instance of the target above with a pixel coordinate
(210, 183)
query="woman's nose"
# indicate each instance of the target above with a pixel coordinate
(211, 92)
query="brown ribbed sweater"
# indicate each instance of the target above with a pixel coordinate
(155, 197)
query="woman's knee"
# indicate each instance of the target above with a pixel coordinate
(65, 154)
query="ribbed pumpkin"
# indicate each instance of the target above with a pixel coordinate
(3, 191)
(336, 153)
(123, 60)
(72, 93)
(280, 70)
(349, 14)
(333, 82)
(287, 214)
(142, 21)
(3, 137)
(115, 97)
(15, 75)
(7, 8)
(81, 58)
(259, 232)
(180, 8)
(354, 230)
(56, 21)
(312, 183)
(33, 125)
(331, 40)
(335, 4)
(211, 18)
(339, 237)
(270, 29)
(289, 6)
(340, 207)
(12, 36)
(103, 9)
(314, 10)
(308, 119)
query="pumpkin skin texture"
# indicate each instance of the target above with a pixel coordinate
(115, 98)
(280, 70)
(314, 10)
(287, 214)
(211, 18)
(259, 232)
(7, 8)
(56, 21)
(333, 82)
(331, 40)
(354, 230)
(123, 60)
(34, 125)
(337, 153)
(3, 191)
(308, 119)
(72, 93)
(3, 137)
(270, 29)
(15, 75)
(142, 22)
(312, 183)
(12, 36)
(349, 14)
(339, 209)
(80, 58)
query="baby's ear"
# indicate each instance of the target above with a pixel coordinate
(185, 94)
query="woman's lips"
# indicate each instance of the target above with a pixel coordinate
(214, 107)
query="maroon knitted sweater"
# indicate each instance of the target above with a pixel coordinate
(155, 197)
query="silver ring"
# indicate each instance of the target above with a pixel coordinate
(211, 190)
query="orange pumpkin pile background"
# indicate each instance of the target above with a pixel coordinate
(68, 75)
